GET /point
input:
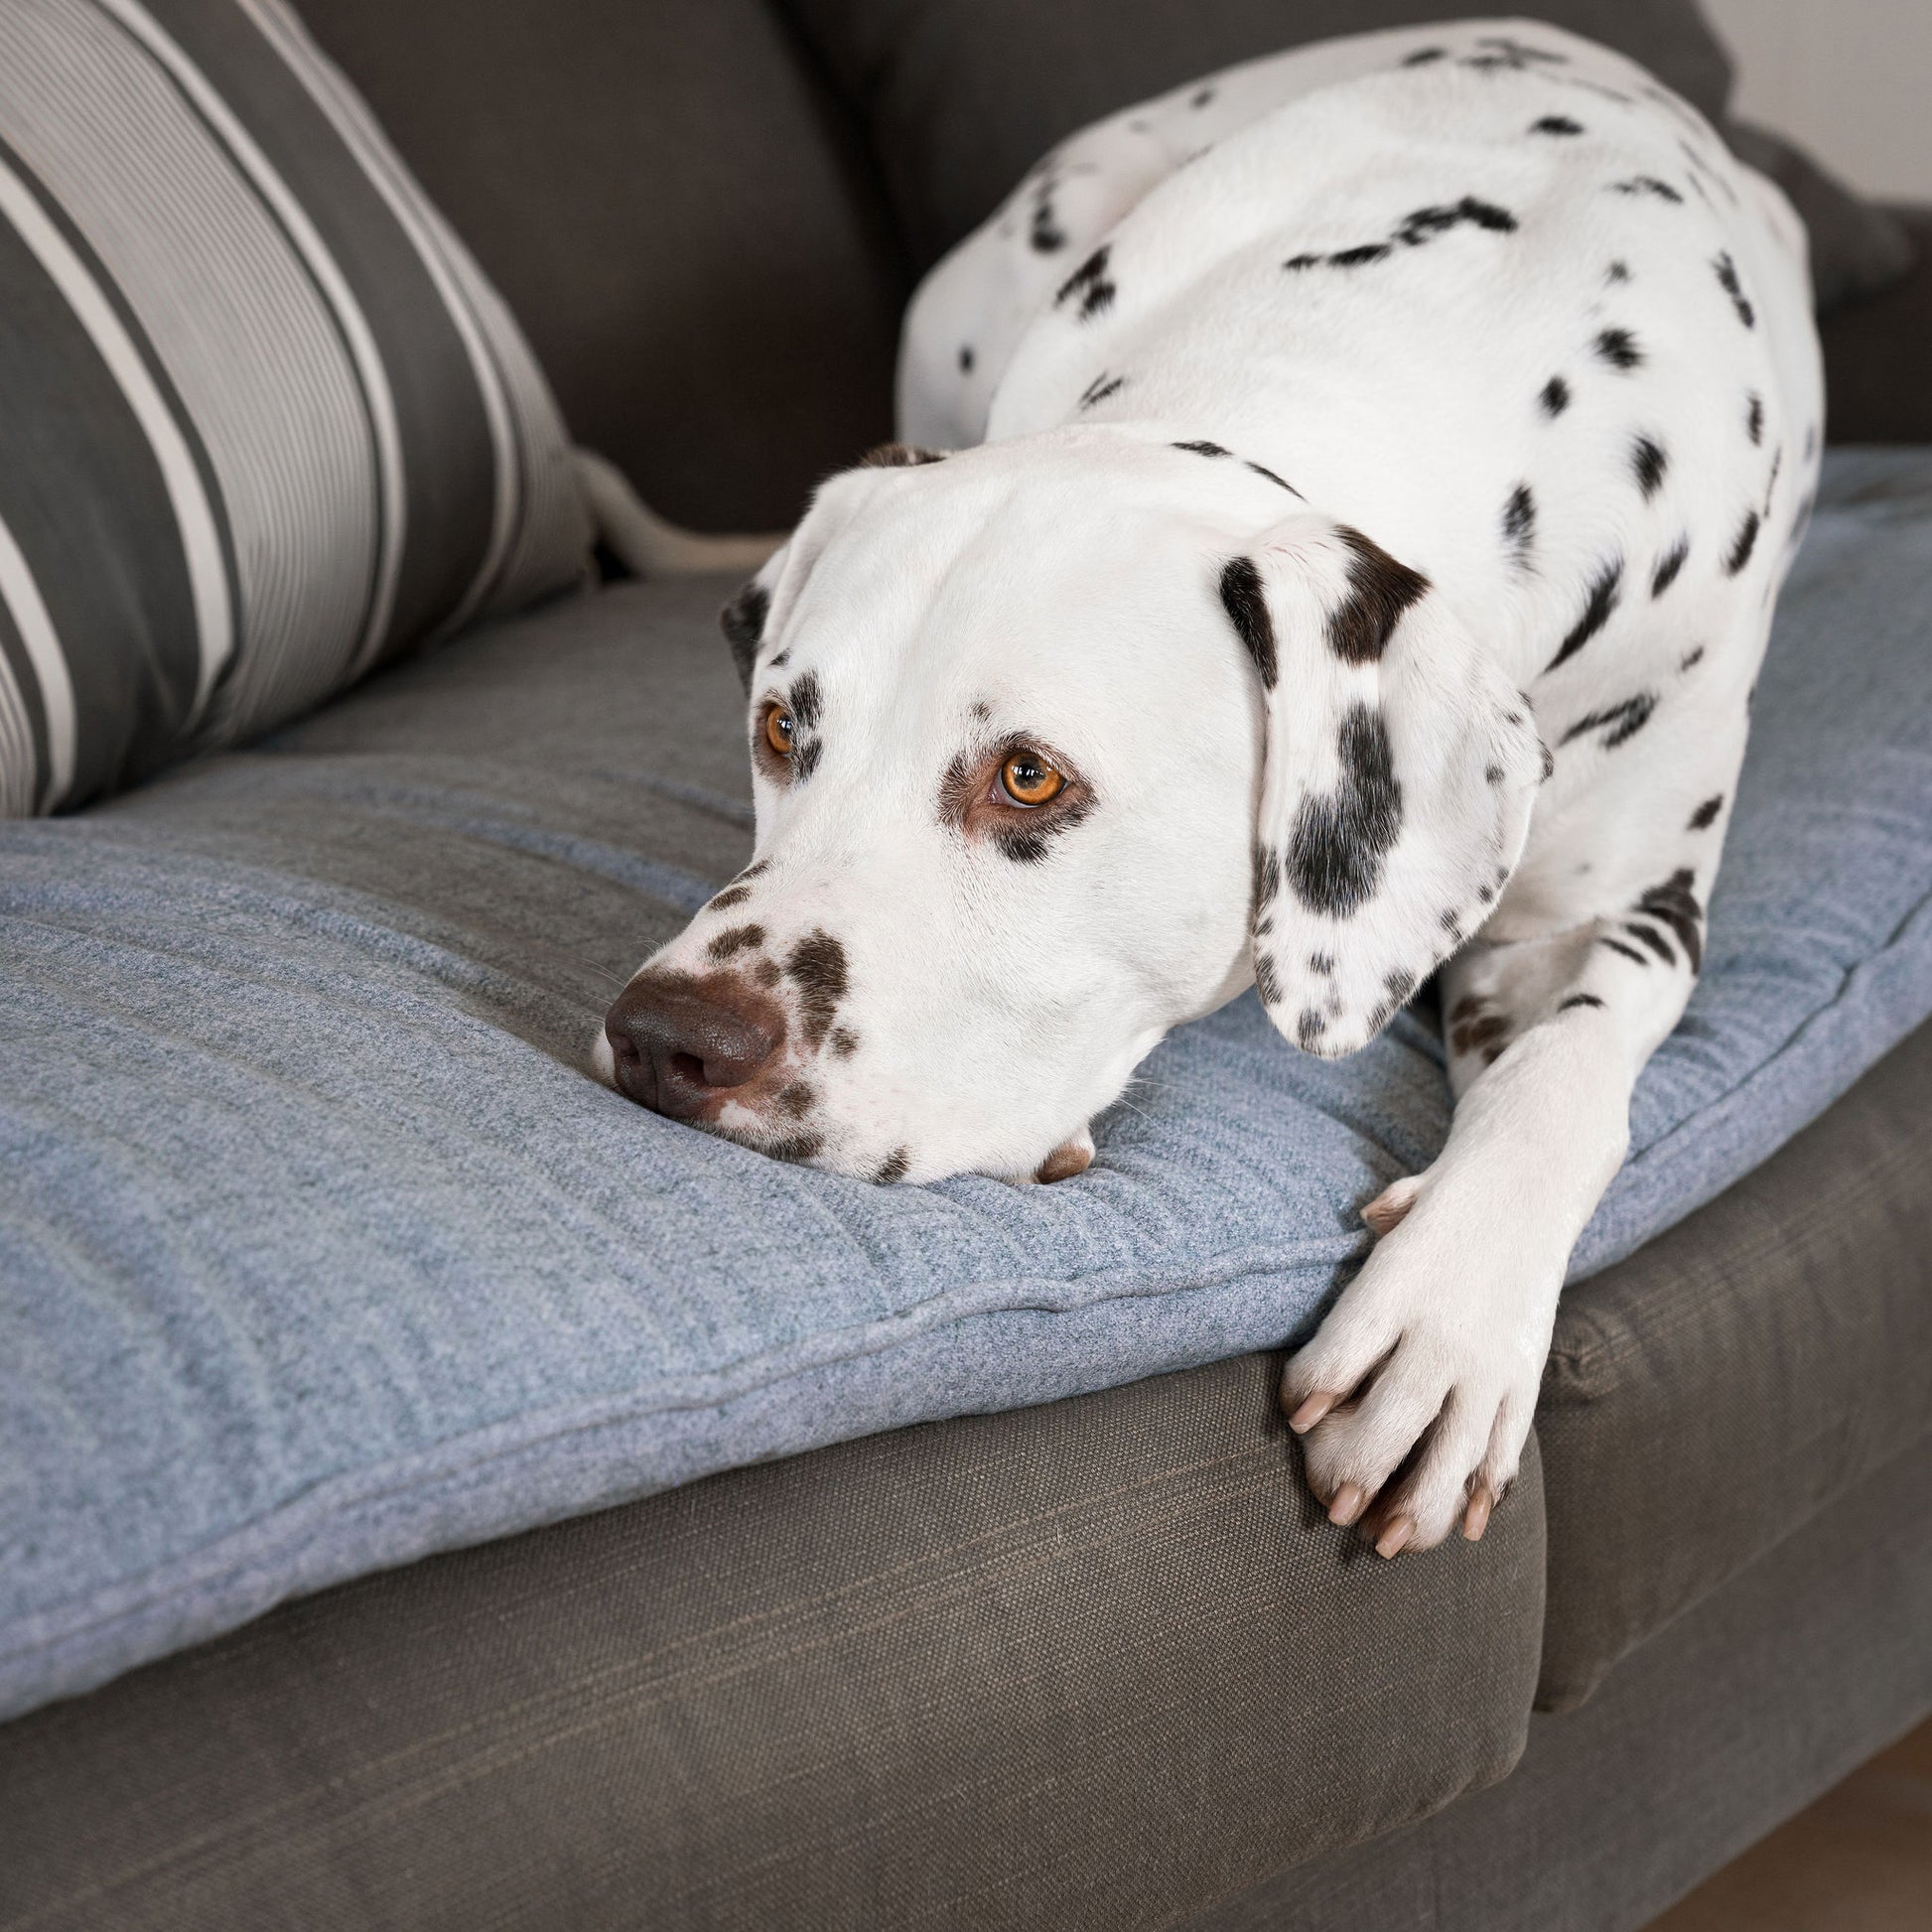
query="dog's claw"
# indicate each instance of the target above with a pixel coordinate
(1313, 1409)
(1347, 1503)
(1385, 1212)
(1395, 1537)
(1475, 1518)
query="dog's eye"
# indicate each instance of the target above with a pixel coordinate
(1028, 779)
(779, 730)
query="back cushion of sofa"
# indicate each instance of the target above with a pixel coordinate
(962, 97)
(262, 423)
(679, 215)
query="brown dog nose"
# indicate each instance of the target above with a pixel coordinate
(676, 1049)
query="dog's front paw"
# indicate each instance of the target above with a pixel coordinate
(1416, 1395)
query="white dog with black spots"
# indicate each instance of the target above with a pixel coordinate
(1340, 516)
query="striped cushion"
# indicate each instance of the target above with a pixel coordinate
(263, 424)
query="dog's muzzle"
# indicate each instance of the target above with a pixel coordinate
(683, 1052)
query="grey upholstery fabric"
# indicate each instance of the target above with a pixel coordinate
(676, 209)
(1877, 369)
(1085, 1664)
(1740, 1374)
(1716, 1730)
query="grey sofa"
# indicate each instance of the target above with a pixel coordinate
(1097, 1664)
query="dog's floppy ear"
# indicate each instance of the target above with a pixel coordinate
(744, 619)
(1398, 773)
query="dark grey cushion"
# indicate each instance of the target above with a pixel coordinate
(1720, 1727)
(1086, 1665)
(962, 97)
(676, 209)
(1740, 1374)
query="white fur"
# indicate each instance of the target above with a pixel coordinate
(1063, 574)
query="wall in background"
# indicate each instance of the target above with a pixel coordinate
(1851, 79)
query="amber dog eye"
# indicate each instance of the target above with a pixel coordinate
(1028, 779)
(779, 730)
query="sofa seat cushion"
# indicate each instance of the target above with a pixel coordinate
(319, 1250)
(1740, 1374)
(1085, 1664)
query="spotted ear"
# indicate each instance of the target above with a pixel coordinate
(744, 619)
(1398, 772)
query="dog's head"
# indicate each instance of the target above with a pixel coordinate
(1058, 743)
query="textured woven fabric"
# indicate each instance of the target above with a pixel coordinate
(262, 423)
(847, 1690)
(318, 1251)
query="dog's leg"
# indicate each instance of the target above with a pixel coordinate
(1416, 1395)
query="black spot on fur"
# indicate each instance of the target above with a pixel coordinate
(1652, 938)
(1310, 1028)
(1028, 843)
(743, 622)
(1579, 1000)
(1423, 225)
(965, 358)
(1494, 774)
(1618, 271)
(804, 760)
(1369, 251)
(1267, 981)
(1266, 881)
(1677, 907)
(1668, 566)
(1321, 963)
(1421, 56)
(1754, 417)
(1089, 282)
(1726, 271)
(845, 1043)
(730, 896)
(1706, 814)
(1554, 396)
(1399, 984)
(1693, 656)
(1262, 469)
(817, 967)
(1247, 610)
(806, 701)
(1301, 261)
(1335, 852)
(1519, 523)
(735, 939)
(1648, 185)
(1649, 460)
(1601, 602)
(797, 1099)
(1380, 591)
(894, 1167)
(1100, 389)
(1556, 124)
(1202, 98)
(1202, 448)
(780, 661)
(1618, 723)
(1046, 235)
(1742, 546)
(1628, 952)
(1618, 348)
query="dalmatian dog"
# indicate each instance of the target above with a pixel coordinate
(1339, 525)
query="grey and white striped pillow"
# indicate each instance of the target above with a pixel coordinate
(263, 423)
